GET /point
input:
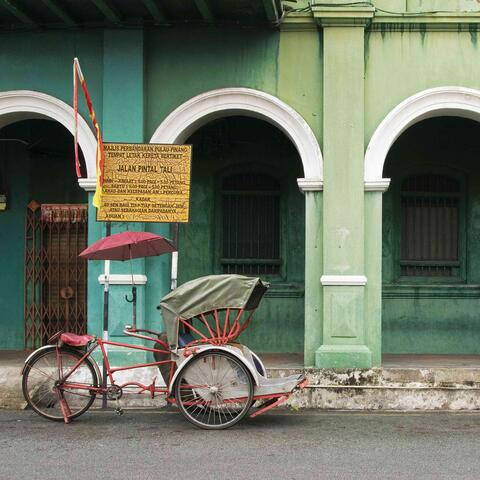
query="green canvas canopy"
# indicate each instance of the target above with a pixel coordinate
(208, 293)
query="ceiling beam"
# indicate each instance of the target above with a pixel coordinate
(17, 12)
(53, 6)
(108, 10)
(205, 10)
(156, 11)
(271, 11)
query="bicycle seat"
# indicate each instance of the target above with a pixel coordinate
(75, 340)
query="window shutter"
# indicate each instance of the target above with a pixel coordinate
(251, 225)
(430, 226)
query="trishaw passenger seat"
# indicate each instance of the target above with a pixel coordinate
(161, 357)
(184, 339)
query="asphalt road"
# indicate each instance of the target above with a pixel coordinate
(156, 444)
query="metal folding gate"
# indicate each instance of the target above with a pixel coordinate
(55, 277)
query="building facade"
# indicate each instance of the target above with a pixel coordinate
(334, 154)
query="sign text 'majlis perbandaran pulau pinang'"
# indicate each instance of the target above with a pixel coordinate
(146, 183)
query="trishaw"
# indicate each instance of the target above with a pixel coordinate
(213, 379)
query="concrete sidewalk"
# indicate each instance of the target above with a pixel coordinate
(11, 363)
(404, 382)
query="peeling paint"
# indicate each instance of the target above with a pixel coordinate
(398, 389)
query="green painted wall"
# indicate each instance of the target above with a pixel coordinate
(234, 145)
(44, 173)
(184, 62)
(300, 76)
(424, 315)
(402, 63)
(178, 67)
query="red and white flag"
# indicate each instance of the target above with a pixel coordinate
(77, 75)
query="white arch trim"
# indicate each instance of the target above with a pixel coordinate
(434, 102)
(16, 105)
(203, 108)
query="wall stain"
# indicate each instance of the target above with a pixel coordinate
(366, 44)
(472, 29)
(383, 28)
(277, 69)
(423, 32)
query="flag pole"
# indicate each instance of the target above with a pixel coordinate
(97, 198)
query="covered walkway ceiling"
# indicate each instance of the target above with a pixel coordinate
(54, 14)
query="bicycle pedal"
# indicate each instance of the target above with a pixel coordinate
(118, 411)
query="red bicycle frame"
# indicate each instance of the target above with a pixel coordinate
(110, 371)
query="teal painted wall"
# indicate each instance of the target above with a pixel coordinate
(422, 315)
(234, 145)
(44, 173)
(14, 165)
(42, 61)
(183, 62)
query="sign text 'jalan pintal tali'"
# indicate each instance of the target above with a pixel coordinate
(146, 183)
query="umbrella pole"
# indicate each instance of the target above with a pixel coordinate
(174, 271)
(108, 232)
(133, 301)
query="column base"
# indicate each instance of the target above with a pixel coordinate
(343, 356)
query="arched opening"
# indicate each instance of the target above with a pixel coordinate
(208, 106)
(17, 105)
(248, 217)
(431, 283)
(442, 104)
(43, 227)
(45, 288)
(189, 117)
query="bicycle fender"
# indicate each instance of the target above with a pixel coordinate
(231, 351)
(45, 347)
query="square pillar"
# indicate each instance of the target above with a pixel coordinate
(344, 279)
(313, 267)
(122, 121)
(373, 268)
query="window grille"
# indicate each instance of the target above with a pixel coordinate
(251, 225)
(430, 226)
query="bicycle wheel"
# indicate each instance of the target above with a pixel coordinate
(214, 390)
(42, 374)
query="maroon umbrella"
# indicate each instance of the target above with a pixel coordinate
(128, 245)
(125, 246)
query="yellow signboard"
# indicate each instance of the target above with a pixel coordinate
(146, 183)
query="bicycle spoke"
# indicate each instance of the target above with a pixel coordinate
(38, 370)
(39, 383)
(221, 390)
